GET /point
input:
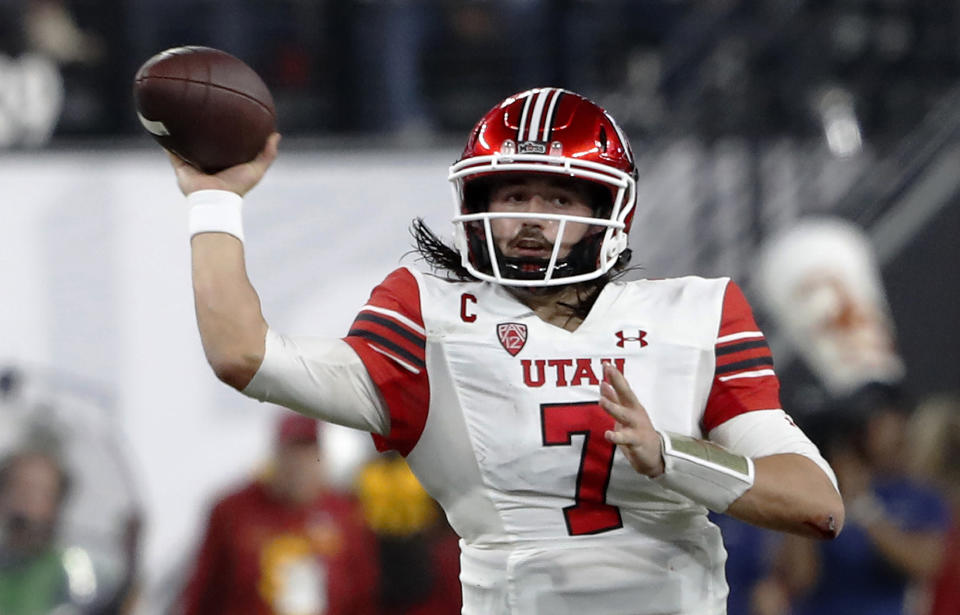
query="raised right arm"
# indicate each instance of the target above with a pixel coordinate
(322, 378)
(232, 327)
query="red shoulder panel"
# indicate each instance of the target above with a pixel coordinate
(389, 337)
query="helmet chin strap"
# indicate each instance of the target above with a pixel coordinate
(531, 268)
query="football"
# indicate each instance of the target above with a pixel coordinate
(205, 105)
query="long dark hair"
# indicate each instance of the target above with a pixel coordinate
(445, 261)
(440, 256)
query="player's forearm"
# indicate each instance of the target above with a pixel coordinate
(791, 493)
(232, 327)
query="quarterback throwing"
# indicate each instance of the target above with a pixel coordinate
(576, 428)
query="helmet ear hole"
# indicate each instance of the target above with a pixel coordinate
(601, 199)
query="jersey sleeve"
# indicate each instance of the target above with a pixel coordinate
(389, 337)
(743, 378)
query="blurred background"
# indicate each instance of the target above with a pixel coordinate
(807, 148)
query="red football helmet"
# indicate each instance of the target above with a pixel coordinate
(545, 131)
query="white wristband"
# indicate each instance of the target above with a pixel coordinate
(216, 211)
(706, 473)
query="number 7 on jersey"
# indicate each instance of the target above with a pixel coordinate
(590, 514)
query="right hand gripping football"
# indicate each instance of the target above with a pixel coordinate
(239, 179)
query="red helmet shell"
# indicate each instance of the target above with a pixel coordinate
(535, 119)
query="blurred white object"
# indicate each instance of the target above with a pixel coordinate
(31, 99)
(820, 281)
(344, 451)
(841, 128)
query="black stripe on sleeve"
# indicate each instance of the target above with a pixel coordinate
(750, 345)
(393, 326)
(735, 367)
(382, 341)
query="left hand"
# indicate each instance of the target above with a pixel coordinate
(633, 432)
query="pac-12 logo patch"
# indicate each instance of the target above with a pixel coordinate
(512, 336)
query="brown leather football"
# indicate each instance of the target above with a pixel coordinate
(205, 105)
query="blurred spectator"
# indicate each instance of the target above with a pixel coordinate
(893, 538)
(389, 39)
(33, 487)
(420, 64)
(419, 555)
(294, 45)
(286, 544)
(750, 554)
(935, 446)
(69, 523)
(266, 35)
(411, 67)
(52, 30)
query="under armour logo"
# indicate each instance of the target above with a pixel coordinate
(623, 338)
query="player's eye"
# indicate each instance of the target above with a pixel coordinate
(562, 200)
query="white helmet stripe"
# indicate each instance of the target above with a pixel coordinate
(524, 114)
(551, 110)
(538, 106)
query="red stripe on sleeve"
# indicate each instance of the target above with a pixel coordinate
(734, 396)
(406, 394)
(737, 317)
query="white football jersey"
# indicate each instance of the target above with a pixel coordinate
(497, 414)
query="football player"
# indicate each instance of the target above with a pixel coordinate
(575, 427)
